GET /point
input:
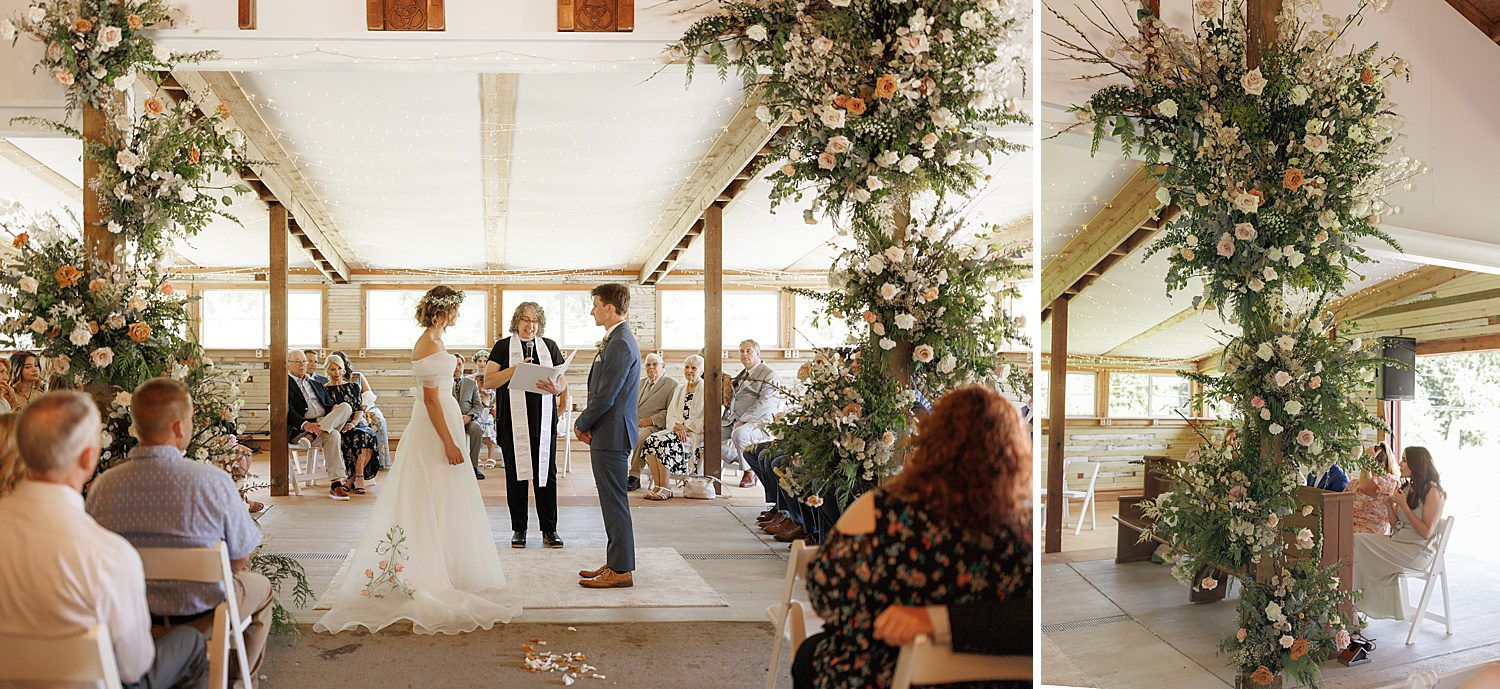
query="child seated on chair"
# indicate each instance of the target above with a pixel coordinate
(1380, 560)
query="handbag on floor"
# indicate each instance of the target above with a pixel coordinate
(700, 487)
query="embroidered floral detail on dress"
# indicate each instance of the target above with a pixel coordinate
(388, 580)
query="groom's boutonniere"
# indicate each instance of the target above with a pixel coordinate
(599, 346)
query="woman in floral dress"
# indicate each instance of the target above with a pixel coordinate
(1373, 493)
(952, 529)
(672, 450)
(358, 441)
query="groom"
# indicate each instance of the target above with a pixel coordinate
(609, 426)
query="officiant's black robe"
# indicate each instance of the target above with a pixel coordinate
(546, 497)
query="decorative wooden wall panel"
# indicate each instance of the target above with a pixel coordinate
(404, 15)
(247, 14)
(596, 15)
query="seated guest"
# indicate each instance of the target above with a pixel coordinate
(1334, 479)
(653, 406)
(990, 627)
(953, 528)
(466, 391)
(313, 420)
(672, 450)
(312, 366)
(24, 382)
(161, 499)
(11, 468)
(1379, 560)
(1373, 493)
(356, 437)
(755, 400)
(63, 573)
(373, 415)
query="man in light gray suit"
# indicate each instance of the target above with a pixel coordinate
(466, 390)
(757, 398)
(610, 427)
(657, 390)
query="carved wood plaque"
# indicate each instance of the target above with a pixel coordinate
(404, 15)
(596, 15)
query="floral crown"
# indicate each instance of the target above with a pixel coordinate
(451, 300)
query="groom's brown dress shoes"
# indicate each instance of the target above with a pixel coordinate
(609, 579)
(591, 573)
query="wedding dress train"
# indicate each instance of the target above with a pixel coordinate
(427, 554)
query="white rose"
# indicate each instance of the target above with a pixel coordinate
(875, 265)
(127, 160)
(827, 160)
(894, 255)
(37, 14)
(1286, 641)
(923, 353)
(1253, 82)
(822, 44)
(7, 30)
(947, 364)
(115, 321)
(102, 357)
(878, 328)
(1293, 407)
(874, 183)
(80, 336)
(944, 118)
(1273, 609)
(909, 163)
(187, 193)
(832, 117)
(1317, 143)
(860, 195)
(124, 82)
(839, 144)
(839, 3)
(1286, 342)
(1300, 94)
(756, 32)
(1168, 108)
(1265, 414)
(953, 157)
(39, 325)
(1163, 196)
(762, 113)
(161, 53)
(887, 158)
(971, 20)
(1269, 273)
(1246, 202)
(110, 37)
(28, 284)
(929, 140)
(1275, 429)
(1282, 378)
(905, 321)
(138, 303)
(887, 343)
(889, 291)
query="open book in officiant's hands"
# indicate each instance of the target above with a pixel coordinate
(527, 376)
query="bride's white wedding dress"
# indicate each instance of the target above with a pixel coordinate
(427, 554)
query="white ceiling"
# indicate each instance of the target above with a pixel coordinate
(1449, 105)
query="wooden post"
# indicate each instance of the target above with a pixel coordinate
(1260, 29)
(98, 243)
(1057, 425)
(900, 356)
(247, 14)
(713, 336)
(280, 453)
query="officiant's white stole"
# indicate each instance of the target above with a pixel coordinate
(520, 428)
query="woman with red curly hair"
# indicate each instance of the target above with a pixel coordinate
(952, 530)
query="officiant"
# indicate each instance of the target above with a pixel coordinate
(526, 422)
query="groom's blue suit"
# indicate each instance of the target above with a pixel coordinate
(614, 385)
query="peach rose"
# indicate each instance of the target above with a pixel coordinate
(870, 317)
(21, 240)
(1262, 676)
(1367, 75)
(154, 107)
(223, 110)
(140, 332)
(194, 156)
(168, 289)
(65, 78)
(1293, 179)
(97, 284)
(885, 86)
(1299, 648)
(855, 106)
(930, 294)
(67, 276)
(134, 21)
(82, 25)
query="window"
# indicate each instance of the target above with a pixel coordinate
(241, 318)
(1080, 394)
(1148, 394)
(569, 322)
(390, 319)
(815, 328)
(752, 315)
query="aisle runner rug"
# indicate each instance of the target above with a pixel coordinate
(540, 578)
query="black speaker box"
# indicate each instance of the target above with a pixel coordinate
(1398, 383)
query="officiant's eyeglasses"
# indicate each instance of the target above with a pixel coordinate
(532, 321)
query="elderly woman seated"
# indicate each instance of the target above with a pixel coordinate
(672, 450)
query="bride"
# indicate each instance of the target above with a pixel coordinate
(426, 554)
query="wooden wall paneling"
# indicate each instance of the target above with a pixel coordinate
(247, 14)
(595, 15)
(405, 15)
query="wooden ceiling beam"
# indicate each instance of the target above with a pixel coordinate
(276, 177)
(1393, 291)
(723, 173)
(1177, 319)
(1478, 18)
(1126, 223)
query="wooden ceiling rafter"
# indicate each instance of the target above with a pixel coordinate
(725, 171)
(1486, 20)
(1126, 223)
(1396, 290)
(311, 226)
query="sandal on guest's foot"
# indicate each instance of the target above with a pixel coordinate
(659, 494)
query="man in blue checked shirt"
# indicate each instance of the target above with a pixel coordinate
(162, 499)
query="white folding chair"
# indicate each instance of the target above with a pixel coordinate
(567, 433)
(792, 619)
(926, 662)
(81, 658)
(208, 566)
(1435, 571)
(1088, 500)
(306, 462)
(1427, 679)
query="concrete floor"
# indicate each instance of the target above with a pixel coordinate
(676, 645)
(1131, 627)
